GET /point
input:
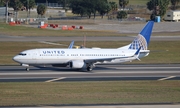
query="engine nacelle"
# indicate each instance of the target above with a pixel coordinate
(77, 64)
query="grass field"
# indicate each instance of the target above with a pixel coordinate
(31, 31)
(161, 52)
(108, 92)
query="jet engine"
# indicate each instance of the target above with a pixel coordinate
(77, 64)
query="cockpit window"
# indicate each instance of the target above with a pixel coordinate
(23, 54)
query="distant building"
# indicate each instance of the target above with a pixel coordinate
(2, 11)
(172, 16)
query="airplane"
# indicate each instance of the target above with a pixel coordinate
(87, 58)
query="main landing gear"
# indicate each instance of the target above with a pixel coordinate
(90, 67)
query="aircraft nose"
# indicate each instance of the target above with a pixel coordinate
(15, 58)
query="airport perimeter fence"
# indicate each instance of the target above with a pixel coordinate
(71, 20)
(51, 5)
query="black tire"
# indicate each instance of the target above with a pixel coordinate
(89, 68)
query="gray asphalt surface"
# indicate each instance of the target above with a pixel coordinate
(79, 38)
(132, 27)
(100, 73)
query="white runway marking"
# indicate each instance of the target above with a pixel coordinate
(166, 78)
(56, 79)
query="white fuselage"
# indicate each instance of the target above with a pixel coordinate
(63, 56)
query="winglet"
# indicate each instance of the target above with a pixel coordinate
(143, 37)
(71, 45)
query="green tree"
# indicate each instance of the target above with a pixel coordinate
(113, 11)
(77, 7)
(41, 10)
(1, 3)
(95, 5)
(29, 4)
(113, 5)
(123, 3)
(103, 8)
(16, 5)
(158, 7)
(174, 3)
(163, 7)
(64, 3)
(121, 15)
(88, 7)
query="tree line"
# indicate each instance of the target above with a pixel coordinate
(92, 7)
(159, 7)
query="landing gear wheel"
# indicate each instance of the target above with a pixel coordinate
(89, 68)
(27, 69)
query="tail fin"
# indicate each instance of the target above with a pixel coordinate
(143, 38)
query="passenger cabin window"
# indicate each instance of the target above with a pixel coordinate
(23, 54)
(168, 15)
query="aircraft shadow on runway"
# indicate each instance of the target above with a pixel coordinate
(66, 69)
(48, 68)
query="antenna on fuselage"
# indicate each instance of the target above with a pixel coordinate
(84, 41)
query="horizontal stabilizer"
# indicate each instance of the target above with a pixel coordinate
(137, 54)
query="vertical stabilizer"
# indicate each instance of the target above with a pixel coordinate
(143, 38)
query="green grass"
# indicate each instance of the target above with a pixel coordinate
(30, 31)
(109, 92)
(161, 52)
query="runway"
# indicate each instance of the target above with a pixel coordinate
(100, 73)
(4, 38)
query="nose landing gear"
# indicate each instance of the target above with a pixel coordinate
(26, 65)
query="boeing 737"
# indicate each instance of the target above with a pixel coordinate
(87, 58)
